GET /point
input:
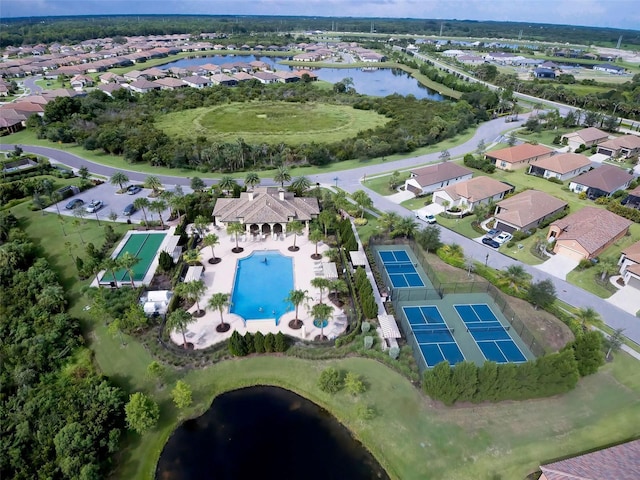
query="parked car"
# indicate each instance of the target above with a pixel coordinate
(133, 189)
(494, 232)
(73, 204)
(129, 210)
(94, 206)
(503, 237)
(430, 218)
(490, 242)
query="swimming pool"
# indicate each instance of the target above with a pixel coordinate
(262, 283)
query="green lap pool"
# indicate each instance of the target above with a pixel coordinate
(142, 245)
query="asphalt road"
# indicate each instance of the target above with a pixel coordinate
(349, 180)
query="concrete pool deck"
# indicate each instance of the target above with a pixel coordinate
(219, 278)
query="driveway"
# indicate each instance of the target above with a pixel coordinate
(558, 266)
(401, 196)
(627, 299)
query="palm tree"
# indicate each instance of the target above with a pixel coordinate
(321, 312)
(406, 226)
(295, 227)
(236, 229)
(119, 178)
(363, 200)
(112, 265)
(300, 184)
(337, 286)
(316, 236)
(326, 218)
(251, 180)
(128, 261)
(606, 267)
(200, 223)
(320, 283)
(158, 206)
(179, 320)
(296, 297)
(193, 290)
(227, 184)
(217, 302)
(516, 277)
(143, 204)
(192, 257)
(52, 298)
(282, 175)
(389, 220)
(153, 183)
(588, 315)
(211, 240)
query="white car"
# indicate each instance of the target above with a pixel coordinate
(430, 218)
(94, 206)
(503, 238)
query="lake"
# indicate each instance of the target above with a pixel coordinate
(266, 433)
(375, 82)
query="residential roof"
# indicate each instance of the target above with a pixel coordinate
(266, 207)
(625, 141)
(476, 189)
(527, 207)
(591, 227)
(607, 178)
(632, 252)
(439, 172)
(519, 153)
(590, 134)
(621, 462)
(563, 163)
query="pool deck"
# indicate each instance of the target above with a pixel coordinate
(219, 279)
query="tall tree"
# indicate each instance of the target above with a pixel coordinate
(542, 293)
(227, 184)
(282, 175)
(211, 240)
(251, 180)
(153, 183)
(112, 265)
(588, 316)
(193, 290)
(236, 229)
(143, 203)
(197, 184)
(300, 185)
(158, 206)
(363, 200)
(219, 301)
(322, 312)
(141, 412)
(321, 284)
(128, 261)
(297, 297)
(179, 320)
(182, 395)
(327, 219)
(388, 220)
(406, 227)
(316, 237)
(295, 227)
(515, 277)
(120, 179)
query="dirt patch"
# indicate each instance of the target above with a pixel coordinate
(160, 281)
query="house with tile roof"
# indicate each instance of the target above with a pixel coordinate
(142, 85)
(620, 462)
(563, 166)
(513, 158)
(633, 199)
(170, 83)
(630, 265)
(428, 179)
(526, 210)
(621, 147)
(587, 136)
(266, 210)
(467, 194)
(601, 182)
(586, 233)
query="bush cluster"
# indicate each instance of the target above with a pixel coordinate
(333, 380)
(241, 346)
(626, 212)
(482, 164)
(347, 237)
(364, 291)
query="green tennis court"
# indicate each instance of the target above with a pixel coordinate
(143, 246)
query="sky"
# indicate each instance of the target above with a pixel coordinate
(600, 13)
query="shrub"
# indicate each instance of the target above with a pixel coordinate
(555, 180)
(394, 352)
(365, 412)
(280, 342)
(584, 264)
(236, 345)
(249, 346)
(354, 384)
(360, 221)
(258, 342)
(269, 342)
(165, 262)
(366, 326)
(331, 380)
(587, 350)
(368, 342)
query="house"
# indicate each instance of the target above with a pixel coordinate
(621, 147)
(196, 81)
(633, 199)
(601, 182)
(542, 72)
(562, 167)
(222, 79)
(265, 77)
(466, 195)
(587, 233)
(266, 210)
(608, 68)
(630, 265)
(587, 137)
(169, 83)
(286, 77)
(526, 210)
(142, 85)
(78, 82)
(428, 179)
(512, 158)
(242, 77)
(620, 462)
(470, 59)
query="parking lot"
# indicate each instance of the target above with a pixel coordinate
(113, 202)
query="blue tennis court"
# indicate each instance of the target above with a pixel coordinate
(400, 269)
(492, 337)
(432, 335)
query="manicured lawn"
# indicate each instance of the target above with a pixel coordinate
(415, 203)
(271, 122)
(544, 137)
(461, 226)
(380, 183)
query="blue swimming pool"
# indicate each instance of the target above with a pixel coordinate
(263, 280)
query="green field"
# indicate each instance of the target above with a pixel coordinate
(272, 122)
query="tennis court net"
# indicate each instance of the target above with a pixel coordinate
(499, 328)
(399, 267)
(432, 331)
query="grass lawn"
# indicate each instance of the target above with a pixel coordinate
(415, 203)
(380, 183)
(545, 137)
(271, 122)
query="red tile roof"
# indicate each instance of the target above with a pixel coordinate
(563, 163)
(527, 207)
(439, 172)
(519, 153)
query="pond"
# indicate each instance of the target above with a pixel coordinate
(377, 82)
(266, 433)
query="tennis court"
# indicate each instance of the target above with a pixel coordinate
(493, 338)
(400, 269)
(143, 246)
(433, 336)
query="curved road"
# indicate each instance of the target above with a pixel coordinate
(350, 180)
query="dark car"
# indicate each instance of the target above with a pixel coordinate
(75, 203)
(490, 242)
(129, 210)
(133, 189)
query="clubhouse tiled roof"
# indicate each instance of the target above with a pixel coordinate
(606, 178)
(476, 189)
(439, 172)
(265, 205)
(527, 207)
(519, 153)
(591, 227)
(563, 163)
(621, 462)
